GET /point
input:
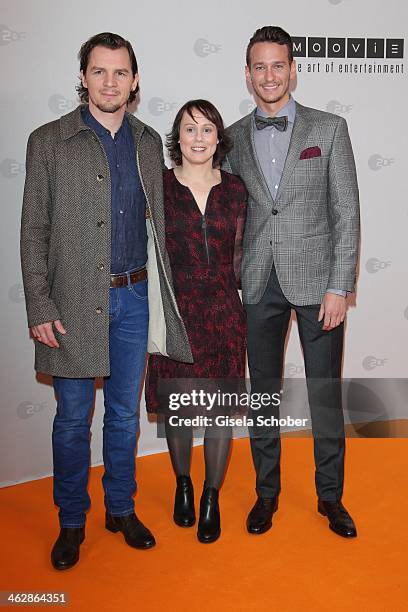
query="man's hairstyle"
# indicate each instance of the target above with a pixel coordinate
(272, 34)
(110, 41)
(211, 113)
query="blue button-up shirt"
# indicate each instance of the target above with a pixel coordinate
(272, 146)
(129, 235)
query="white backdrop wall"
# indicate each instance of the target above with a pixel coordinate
(188, 50)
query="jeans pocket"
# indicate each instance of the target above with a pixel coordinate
(139, 290)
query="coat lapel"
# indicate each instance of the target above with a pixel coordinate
(301, 129)
(149, 159)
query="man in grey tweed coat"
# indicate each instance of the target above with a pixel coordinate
(92, 232)
(300, 252)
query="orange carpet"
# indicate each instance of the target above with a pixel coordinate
(298, 565)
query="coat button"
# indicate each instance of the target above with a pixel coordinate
(274, 211)
(101, 223)
(99, 177)
(101, 267)
(98, 310)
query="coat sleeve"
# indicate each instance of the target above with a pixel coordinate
(35, 235)
(344, 211)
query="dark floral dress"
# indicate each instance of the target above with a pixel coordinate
(205, 256)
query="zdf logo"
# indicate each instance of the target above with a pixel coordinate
(246, 106)
(291, 369)
(157, 106)
(25, 410)
(373, 265)
(203, 48)
(338, 108)
(370, 362)
(59, 104)
(10, 168)
(16, 293)
(7, 36)
(376, 161)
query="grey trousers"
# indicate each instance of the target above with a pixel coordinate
(267, 329)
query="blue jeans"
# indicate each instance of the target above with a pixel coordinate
(129, 316)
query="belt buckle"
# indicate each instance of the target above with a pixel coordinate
(116, 280)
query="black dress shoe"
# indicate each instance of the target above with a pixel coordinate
(136, 534)
(184, 512)
(260, 518)
(339, 519)
(65, 552)
(209, 528)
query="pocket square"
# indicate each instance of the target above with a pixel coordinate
(310, 152)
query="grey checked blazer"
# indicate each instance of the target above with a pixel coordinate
(313, 235)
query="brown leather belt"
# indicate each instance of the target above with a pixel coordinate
(121, 280)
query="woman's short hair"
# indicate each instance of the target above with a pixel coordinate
(211, 113)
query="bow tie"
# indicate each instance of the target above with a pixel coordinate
(280, 123)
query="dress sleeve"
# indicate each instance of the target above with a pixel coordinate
(242, 196)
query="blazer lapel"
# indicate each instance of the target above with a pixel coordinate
(301, 128)
(249, 160)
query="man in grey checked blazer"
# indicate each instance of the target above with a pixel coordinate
(300, 252)
(92, 232)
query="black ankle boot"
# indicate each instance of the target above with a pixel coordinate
(135, 533)
(209, 528)
(65, 552)
(184, 511)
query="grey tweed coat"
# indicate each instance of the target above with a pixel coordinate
(65, 247)
(311, 230)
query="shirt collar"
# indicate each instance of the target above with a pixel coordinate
(289, 110)
(94, 124)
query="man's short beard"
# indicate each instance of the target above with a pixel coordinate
(275, 100)
(109, 109)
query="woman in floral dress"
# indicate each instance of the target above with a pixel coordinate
(205, 211)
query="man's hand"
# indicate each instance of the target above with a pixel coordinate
(45, 334)
(333, 309)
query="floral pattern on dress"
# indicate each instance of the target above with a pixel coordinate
(205, 253)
